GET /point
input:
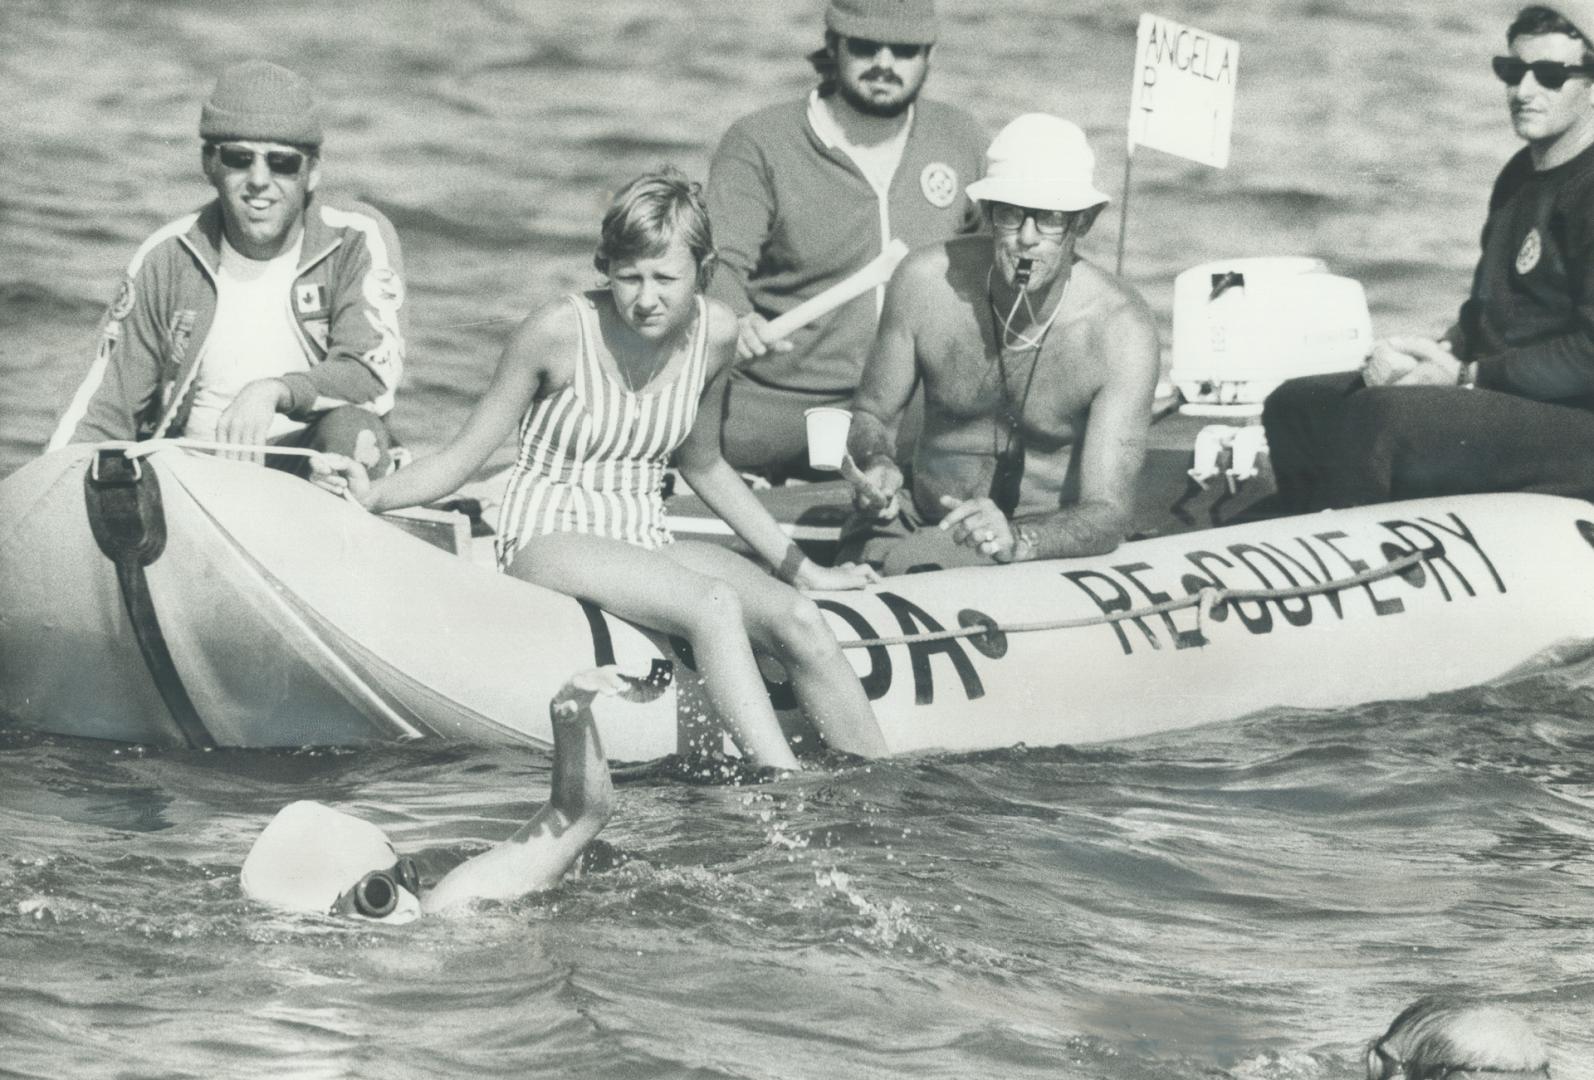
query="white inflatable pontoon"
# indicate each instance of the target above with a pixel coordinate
(181, 599)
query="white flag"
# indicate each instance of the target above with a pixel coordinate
(1183, 97)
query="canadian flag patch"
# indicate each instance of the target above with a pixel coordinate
(309, 297)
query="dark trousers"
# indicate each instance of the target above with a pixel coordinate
(1337, 442)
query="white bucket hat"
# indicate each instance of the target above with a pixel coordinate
(311, 854)
(1042, 162)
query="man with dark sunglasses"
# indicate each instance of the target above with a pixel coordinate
(314, 860)
(804, 194)
(272, 315)
(1037, 369)
(1504, 399)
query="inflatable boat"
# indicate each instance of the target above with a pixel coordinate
(170, 597)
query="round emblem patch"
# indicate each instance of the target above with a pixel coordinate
(122, 306)
(1528, 255)
(383, 288)
(939, 182)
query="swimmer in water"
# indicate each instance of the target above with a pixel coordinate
(1457, 1039)
(320, 861)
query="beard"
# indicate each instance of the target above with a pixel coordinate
(886, 110)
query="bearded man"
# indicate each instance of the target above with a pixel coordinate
(804, 193)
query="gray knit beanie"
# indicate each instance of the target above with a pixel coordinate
(904, 22)
(258, 100)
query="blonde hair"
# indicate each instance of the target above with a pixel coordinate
(1437, 1036)
(651, 210)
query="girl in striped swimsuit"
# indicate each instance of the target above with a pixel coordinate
(605, 386)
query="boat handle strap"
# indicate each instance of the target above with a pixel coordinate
(128, 520)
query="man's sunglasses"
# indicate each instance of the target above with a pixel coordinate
(865, 49)
(1010, 218)
(1550, 74)
(280, 162)
(376, 894)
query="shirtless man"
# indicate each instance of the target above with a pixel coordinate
(1038, 371)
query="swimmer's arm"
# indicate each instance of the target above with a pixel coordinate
(522, 373)
(542, 851)
(1114, 450)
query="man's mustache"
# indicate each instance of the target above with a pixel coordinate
(883, 74)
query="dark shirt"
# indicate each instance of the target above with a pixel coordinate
(1530, 320)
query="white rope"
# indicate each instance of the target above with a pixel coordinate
(150, 446)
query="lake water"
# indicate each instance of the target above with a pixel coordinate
(1252, 900)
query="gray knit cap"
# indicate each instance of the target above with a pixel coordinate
(905, 22)
(259, 100)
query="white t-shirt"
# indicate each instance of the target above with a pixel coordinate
(254, 336)
(879, 162)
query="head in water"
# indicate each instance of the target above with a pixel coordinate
(320, 861)
(1040, 196)
(1457, 1039)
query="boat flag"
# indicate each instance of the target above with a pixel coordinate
(1182, 98)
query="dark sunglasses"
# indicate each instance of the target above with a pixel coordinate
(863, 48)
(1009, 217)
(280, 162)
(1550, 74)
(376, 894)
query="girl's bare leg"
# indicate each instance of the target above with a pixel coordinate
(649, 588)
(788, 626)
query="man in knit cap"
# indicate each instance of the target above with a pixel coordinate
(1038, 370)
(1504, 399)
(273, 314)
(805, 193)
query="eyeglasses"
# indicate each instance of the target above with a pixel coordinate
(1010, 218)
(280, 162)
(863, 48)
(1550, 74)
(377, 893)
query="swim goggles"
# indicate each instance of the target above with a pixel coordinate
(280, 162)
(376, 894)
(1382, 1065)
(1550, 74)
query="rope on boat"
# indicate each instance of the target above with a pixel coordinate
(149, 446)
(1206, 602)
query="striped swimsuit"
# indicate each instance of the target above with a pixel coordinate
(592, 455)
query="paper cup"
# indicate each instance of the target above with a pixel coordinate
(827, 436)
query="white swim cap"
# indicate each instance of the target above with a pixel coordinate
(311, 854)
(1041, 162)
